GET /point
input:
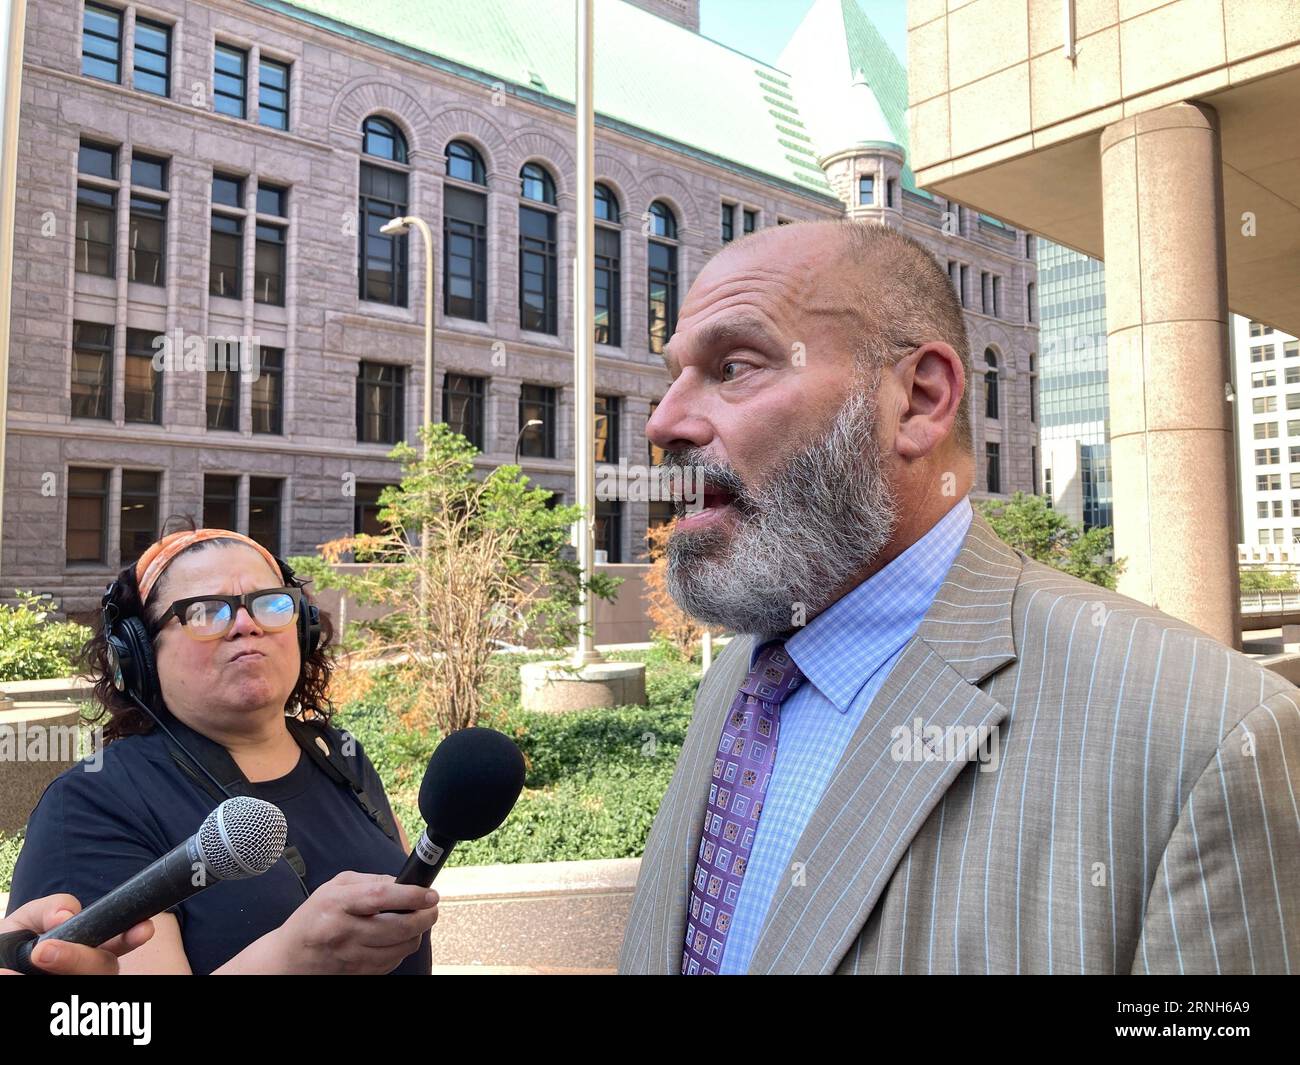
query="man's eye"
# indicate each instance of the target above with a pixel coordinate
(730, 369)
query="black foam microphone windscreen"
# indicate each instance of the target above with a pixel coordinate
(472, 783)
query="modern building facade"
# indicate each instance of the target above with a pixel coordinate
(217, 175)
(1268, 433)
(1074, 394)
(1161, 138)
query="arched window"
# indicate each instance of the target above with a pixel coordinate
(464, 163)
(382, 138)
(663, 223)
(662, 275)
(990, 384)
(538, 298)
(464, 235)
(383, 197)
(608, 267)
(536, 184)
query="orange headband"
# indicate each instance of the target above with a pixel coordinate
(159, 556)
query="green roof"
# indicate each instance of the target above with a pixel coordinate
(851, 84)
(651, 74)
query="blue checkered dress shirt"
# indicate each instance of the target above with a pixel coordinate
(846, 652)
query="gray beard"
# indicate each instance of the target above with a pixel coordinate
(827, 514)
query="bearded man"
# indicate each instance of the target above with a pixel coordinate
(964, 760)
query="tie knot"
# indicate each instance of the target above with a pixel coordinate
(774, 675)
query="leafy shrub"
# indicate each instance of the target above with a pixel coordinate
(32, 648)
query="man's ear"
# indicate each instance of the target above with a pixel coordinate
(932, 382)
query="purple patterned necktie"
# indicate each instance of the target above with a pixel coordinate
(746, 753)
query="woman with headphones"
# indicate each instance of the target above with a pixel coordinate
(210, 676)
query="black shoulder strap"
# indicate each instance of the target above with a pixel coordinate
(325, 746)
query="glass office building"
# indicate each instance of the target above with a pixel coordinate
(1074, 421)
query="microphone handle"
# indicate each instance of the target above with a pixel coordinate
(171, 879)
(426, 860)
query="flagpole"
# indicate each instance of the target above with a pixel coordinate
(584, 344)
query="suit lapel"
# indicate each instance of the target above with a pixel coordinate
(887, 784)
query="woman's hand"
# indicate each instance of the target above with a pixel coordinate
(70, 959)
(344, 927)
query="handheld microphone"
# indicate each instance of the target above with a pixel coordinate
(241, 838)
(472, 783)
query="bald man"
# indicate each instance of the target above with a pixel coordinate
(964, 760)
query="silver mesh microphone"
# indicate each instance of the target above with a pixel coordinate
(242, 837)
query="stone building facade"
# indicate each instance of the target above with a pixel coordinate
(215, 191)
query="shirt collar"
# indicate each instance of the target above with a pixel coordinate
(843, 646)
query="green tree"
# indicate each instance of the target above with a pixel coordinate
(494, 562)
(1261, 579)
(33, 648)
(1028, 524)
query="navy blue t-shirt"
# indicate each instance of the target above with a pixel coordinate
(92, 830)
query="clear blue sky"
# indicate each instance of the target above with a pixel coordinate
(761, 27)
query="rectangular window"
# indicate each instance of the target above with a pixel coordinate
(229, 80)
(87, 524)
(269, 265)
(1266, 456)
(1265, 430)
(101, 44)
(143, 384)
(464, 242)
(1261, 353)
(96, 226)
(228, 191)
(1295, 508)
(147, 242)
(92, 370)
(608, 287)
(728, 223)
(891, 192)
(994, 464)
(273, 93)
(1293, 427)
(1265, 404)
(382, 270)
(272, 200)
(1261, 509)
(965, 272)
(1292, 376)
(537, 271)
(1295, 480)
(1030, 296)
(462, 406)
(139, 509)
(608, 529)
(866, 190)
(220, 501)
(381, 403)
(1293, 454)
(153, 46)
(223, 398)
(537, 403)
(986, 293)
(1272, 482)
(268, 392)
(226, 266)
(997, 296)
(607, 428)
(1293, 401)
(663, 294)
(750, 220)
(264, 505)
(1263, 379)
(1291, 349)
(1259, 329)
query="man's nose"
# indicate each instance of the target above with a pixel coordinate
(677, 422)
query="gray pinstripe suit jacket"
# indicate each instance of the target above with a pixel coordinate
(1142, 815)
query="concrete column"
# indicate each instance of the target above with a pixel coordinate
(1166, 322)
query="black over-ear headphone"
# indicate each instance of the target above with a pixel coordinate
(130, 650)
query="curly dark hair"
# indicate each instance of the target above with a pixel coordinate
(120, 717)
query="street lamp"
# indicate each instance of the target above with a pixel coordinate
(398, 227)
(532, 423)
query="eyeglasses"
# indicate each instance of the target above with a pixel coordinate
(209, 617)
